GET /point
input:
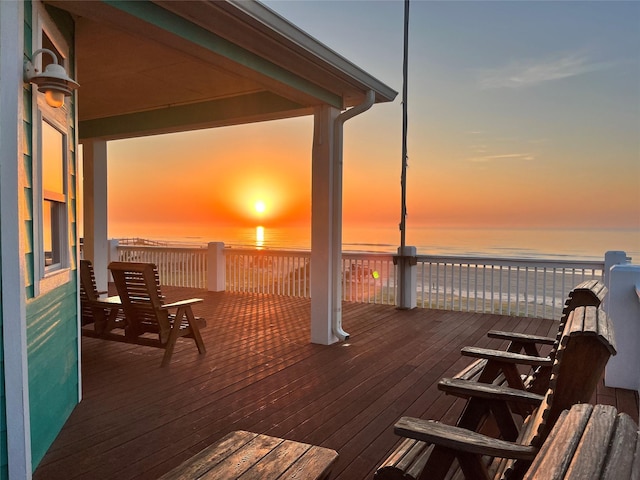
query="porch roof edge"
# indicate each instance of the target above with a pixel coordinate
(279, 28)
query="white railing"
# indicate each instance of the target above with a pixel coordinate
(278, 272)
(523, 287)
(368, 278)
(177, 266)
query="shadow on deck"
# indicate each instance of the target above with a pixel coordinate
(261, 374)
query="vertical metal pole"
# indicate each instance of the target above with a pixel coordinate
(403, 179)
(405, 70)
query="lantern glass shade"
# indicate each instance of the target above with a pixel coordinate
(54, 98)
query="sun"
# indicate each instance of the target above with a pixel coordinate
(260, 206)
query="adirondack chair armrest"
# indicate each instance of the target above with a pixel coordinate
(467, 388)
(521, 337)
(506, 357)
(460, 439)
(106, 302)
(109, 301)
(182, 303)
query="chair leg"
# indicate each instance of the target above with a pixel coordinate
(195, 329)
(472, 466)
(99, 320)
(438, 464)
(171, 341)
(111, 319)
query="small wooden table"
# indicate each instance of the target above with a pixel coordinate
(114, 306)
(245, 455)
(101, 326)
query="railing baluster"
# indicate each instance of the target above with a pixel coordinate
(517, 289)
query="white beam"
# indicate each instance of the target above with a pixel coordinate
(96, 244)
(322, 227)
(14, 330)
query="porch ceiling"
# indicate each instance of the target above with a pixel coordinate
(158, 67)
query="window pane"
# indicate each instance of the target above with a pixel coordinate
(51, 232)
(52, 160)
(46, 58)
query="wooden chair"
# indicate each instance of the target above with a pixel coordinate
(431, 447)
(138, 286)
(102, 312)
(505, 367)
(500, 367)
(589, 442)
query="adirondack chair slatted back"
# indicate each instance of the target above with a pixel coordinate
(87, 286)
(589, 442)
(138, 286)
(88, 292)
(88, 289)
(587, 293)
(582, 354)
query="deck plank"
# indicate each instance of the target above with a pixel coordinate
(262, 374)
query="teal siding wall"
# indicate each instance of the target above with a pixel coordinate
(51, 318)
(52, 333)
(52, 343)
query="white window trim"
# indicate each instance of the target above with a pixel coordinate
(46, 280)
(50, 277)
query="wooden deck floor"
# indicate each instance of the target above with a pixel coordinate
(261, 374)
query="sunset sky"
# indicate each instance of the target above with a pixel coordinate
(521, 114)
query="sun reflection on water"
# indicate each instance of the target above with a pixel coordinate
(259, 237)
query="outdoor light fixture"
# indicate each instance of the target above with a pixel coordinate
(53, 82)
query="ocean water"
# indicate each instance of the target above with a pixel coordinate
(573, 244)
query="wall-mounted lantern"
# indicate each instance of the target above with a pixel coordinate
(53, 82)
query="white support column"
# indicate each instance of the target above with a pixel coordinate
(322, 224)
(216, 267)
(611, 258)
(113, 251)
(96, 245)
(623, 307)
(407, 277)
(14, 329)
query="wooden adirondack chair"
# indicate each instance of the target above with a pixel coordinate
(496, 366)
(431, 447)
(138, 286)
(102, 312)
(505, 367)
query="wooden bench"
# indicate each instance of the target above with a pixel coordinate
(430, 447)
(104, 313)
(589, 442)
(147, 319)
(250, 456)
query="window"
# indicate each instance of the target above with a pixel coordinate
(52, 176)
(54, 203)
